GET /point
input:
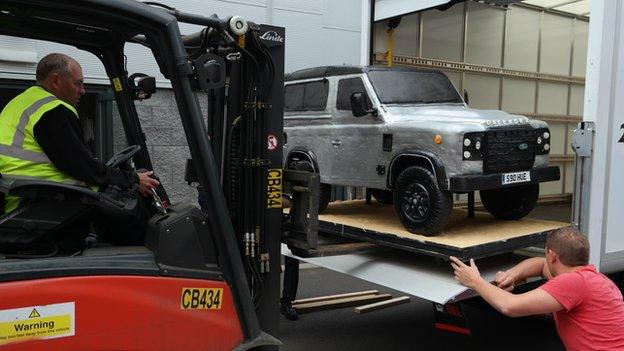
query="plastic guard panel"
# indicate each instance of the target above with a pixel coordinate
(118, 313)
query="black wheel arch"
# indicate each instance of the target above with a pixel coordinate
(426, 159)
(303, 154)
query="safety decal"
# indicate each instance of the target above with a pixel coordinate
(201, 298)
(37, 322)
(274, 188)
(117, 84)
(272, 142)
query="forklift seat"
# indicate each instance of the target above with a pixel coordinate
(46, 207)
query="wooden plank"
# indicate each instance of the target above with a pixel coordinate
(335, 297)
(382, 304)
(461, 232)
(340, 303)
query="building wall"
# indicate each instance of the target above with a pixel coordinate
(318, 32)
(517, 38)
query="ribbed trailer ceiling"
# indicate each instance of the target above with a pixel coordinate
(577, 7)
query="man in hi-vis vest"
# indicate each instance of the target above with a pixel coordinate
(41, 136)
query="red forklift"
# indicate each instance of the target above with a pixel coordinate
(208, 276)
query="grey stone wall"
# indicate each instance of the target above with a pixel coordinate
(165, 140)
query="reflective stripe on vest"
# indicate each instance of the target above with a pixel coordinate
(20, 153)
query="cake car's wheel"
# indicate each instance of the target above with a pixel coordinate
(420, 204)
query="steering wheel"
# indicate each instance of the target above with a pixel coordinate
(123, 156)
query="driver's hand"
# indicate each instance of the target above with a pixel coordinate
(146, 183)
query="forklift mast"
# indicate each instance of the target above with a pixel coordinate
(235, 158)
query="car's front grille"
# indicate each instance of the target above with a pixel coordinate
(509, 149)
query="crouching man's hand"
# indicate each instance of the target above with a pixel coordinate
(146, 183)
(467, 275)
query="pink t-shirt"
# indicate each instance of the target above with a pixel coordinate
(593, 314)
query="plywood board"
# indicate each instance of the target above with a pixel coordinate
(461, 231)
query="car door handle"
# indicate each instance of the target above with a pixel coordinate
(336, 142)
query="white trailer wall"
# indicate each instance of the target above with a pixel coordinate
(549, 46)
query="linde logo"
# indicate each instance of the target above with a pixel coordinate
(272, 36)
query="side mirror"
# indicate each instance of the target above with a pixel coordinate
(142, 85)
(466, 96)
(359, 105)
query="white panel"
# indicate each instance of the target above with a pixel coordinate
(558, 135)
(552, 98)
(390, 8)
(344, 14)
(93, 69)
(405, 36)
(556, 44)
(518, 95)
(380, 39)
(482, 90)
(484, 41)
(552, 188)
(307, 6)
(577, 95)
(521, 44)
(569, 178)
(305, 43)
(442, 33)
(579, 58)
(343, 49)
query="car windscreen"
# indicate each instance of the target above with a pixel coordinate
(413, 87)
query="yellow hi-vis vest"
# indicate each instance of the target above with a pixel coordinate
(20, 154)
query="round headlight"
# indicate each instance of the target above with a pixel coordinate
(546, 147)
(478, 145)
(546, 135)
(539, 140)
(467, 142)
(466, 154)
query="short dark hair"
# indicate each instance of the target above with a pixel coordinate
(570, 245)
(53, 63)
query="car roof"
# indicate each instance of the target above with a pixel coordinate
(329, 71)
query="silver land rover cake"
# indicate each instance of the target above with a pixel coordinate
(407, 135)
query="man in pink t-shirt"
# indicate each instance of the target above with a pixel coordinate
(588, 307)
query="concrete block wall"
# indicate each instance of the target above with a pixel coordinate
(165, 140)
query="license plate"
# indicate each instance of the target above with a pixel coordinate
(516, 177)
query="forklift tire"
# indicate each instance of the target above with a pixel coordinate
(510, 203)
(324, 190)
(421, 205)
(382, 196)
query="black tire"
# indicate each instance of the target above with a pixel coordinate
(325, 189)
(382, 196)
(510, 203)
(421, 205)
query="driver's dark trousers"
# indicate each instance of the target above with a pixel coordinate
(127, 228)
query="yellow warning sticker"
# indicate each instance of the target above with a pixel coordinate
(274, 188)
(117, 84)
(37, 322)
(202, 298)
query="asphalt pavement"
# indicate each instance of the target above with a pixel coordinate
(409, 326)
